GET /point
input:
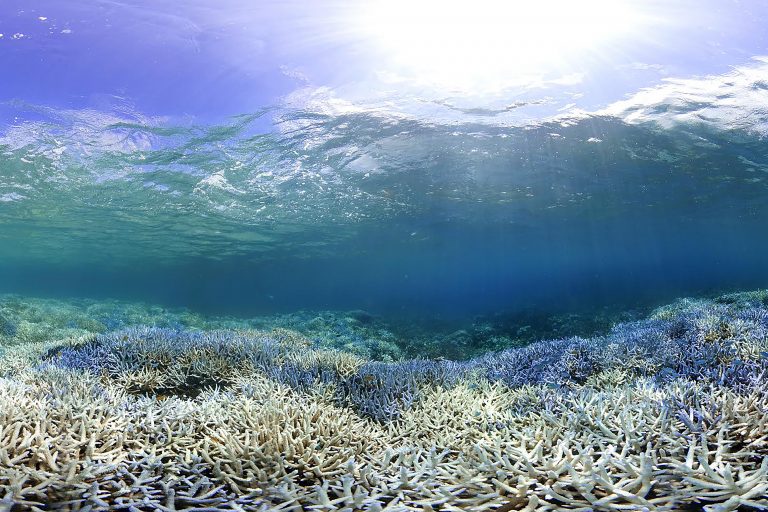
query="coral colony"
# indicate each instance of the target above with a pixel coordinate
(668, 413)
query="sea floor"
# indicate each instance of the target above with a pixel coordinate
(108, 405)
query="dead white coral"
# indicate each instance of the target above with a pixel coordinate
(343, 364)
(72, 439)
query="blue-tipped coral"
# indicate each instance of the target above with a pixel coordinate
(664, 414)
(713, 344)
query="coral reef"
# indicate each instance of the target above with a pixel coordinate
(474, 337)
(664, 414)
(358, 332)
(29, 320)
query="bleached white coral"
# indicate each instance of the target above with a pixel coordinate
(278, 436)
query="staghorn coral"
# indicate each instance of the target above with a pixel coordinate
(70, 442)
(711, 343)
(172, 362)
(665, 414)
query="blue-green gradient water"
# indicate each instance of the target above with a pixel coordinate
(287, 208)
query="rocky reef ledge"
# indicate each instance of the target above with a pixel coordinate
(667, 413)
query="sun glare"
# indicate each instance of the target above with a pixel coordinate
(460, 42)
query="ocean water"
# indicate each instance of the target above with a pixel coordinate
(249, 263)
(285, 209)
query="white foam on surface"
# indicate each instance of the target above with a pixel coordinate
(737, 100)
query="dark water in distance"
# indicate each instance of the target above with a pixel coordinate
(290, 209)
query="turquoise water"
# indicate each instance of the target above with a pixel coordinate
(289, 209)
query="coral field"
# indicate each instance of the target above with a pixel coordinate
(170, 411)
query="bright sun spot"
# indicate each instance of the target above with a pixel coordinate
(462, 42)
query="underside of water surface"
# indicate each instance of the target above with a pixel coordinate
(388, 214)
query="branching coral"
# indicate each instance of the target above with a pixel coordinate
(711, 343)
(665, 414)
